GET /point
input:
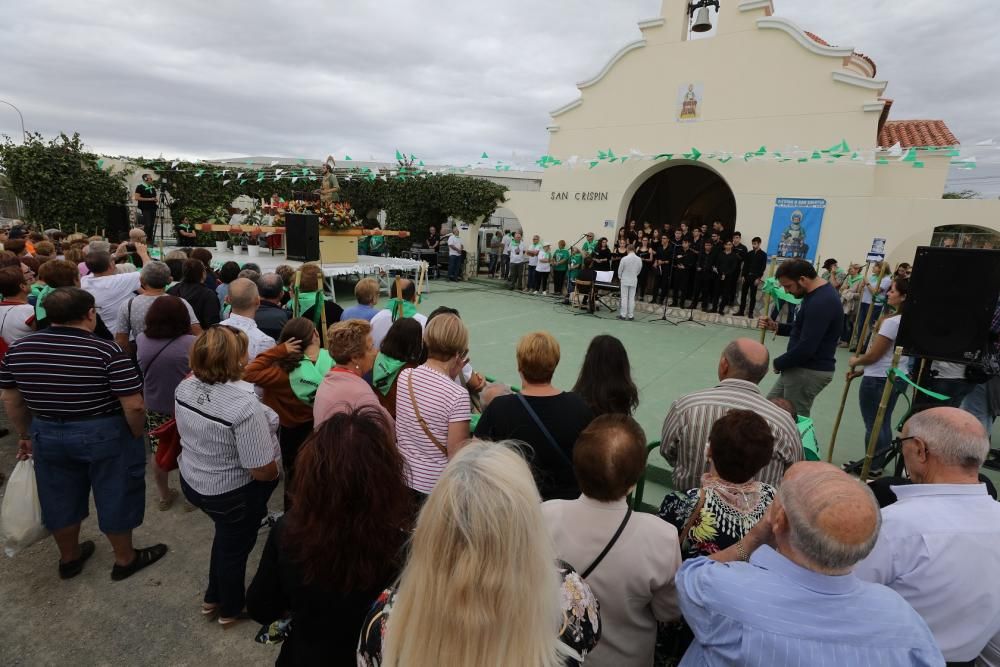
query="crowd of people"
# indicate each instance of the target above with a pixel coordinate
(434, 518)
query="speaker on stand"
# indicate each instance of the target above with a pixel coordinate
(302, 237)
(116, 222)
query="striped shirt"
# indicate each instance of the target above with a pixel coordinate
(690, 420)
(771, 612)
(441, 402)
(65, 372)
(225, 432)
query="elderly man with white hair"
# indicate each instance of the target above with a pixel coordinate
(245, 299)
(940, 541)
(795, 601)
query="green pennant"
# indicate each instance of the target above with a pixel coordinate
(413, 158)
(593, 163)
(911, 156)
(421, 163)
(623, 159)
(761, 151)
(100, 164)
(601, 155)
(726, 159)
(918, 165)
(484, 156)
(882, 160)
(242, 181)
(198, 173)
(661, 156)
(816, 155)
(803, 159)
(693, 155)
(348, 158)
(399, 156)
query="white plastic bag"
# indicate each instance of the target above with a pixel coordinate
(21, 513)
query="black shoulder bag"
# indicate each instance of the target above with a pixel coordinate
(545, 432)
(607, 548)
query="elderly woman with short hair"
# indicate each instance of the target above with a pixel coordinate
(344, 387)
(635, 579)
(153, 280)
(230, 460)
(366, 292)
(548, 419)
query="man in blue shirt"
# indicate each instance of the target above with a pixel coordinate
(785, 594)
(808, 364)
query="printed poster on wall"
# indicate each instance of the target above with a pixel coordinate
(795, 228)
(689, 96)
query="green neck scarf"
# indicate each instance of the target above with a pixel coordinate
(306, 378)
(40, 291)
(409, 308)
(384, 373)
(854, 280)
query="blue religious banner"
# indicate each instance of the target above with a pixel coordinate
(795, 228)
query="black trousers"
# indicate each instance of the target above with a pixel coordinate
(662, 284)
(148, 221)
(640, 289)
(680, 286)
(725, 291)
(558, 280)
(749, 289)
(237, 515)
(291, 438)
(704, 290)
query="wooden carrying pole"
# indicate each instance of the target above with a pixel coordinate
(871, 309)
(880, 416)
(857, 307)
(767, 299)
(840, 414)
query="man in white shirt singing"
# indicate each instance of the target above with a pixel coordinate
(628, 276)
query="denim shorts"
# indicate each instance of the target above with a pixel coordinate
(73, 457)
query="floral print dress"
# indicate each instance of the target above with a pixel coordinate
(580, 630)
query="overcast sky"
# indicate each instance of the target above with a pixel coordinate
(444, 79)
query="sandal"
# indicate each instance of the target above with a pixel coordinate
(229, 621)
(209, 608)
(75, 567)
(168, 502)
(143, 558)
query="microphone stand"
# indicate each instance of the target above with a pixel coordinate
(666, 299)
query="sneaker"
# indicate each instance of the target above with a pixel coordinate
(631, 319)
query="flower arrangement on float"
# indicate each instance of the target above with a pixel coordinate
(332, 215)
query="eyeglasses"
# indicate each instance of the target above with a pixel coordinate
(898, 442)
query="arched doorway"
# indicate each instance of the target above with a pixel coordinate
(966, 236)
(685, 191)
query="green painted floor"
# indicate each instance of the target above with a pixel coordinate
(667, 361)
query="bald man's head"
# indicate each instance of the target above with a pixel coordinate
(833, 519)
(953, 437)
(744, 359)
(243, 296)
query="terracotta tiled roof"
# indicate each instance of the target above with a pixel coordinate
(910, 133)
(816, 38)
(822, 42)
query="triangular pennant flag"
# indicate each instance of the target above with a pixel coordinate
(623, 159)
(593, 163)
(918, 165)
(242, 181)
(198, 173)
(726, 159)
(347, 158)
(279, 172)
(173, 165)
(421, 163)
(239, 175)
(693, 155)
(816, 155)
(601, 155)
(761, 151)
(896, 150)
(803, 159)
(294, 178)
(225, 182)
(100, 164)
(882, 160)
(399, 156)
(274, 162)
(661, 156)
(484, 156)
(300, 161)
(911, 156)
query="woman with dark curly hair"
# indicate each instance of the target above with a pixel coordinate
(327, 559)
(605, 382)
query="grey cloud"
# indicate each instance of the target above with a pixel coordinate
(444, 80)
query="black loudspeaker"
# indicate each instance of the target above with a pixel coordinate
(116, 222)
(302, 237)
(953, 295)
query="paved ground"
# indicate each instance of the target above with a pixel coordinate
(153, 619)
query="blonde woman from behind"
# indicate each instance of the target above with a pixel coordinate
(482, 585)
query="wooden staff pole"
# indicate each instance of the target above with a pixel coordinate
(857, 307)
(880, 416)
(871, 308)
(840, 414)
(767, 299)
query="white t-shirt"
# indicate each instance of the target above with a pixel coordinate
(382, 321)
(879, 368)
(517, 252)
(454, 246)
(866, 296)
(507, 238)
(257, 339)
(947, 370)
(533, 259)
(110, 292)
(543, 262)
(14, 322)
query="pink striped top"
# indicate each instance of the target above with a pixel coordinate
(441, 402)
